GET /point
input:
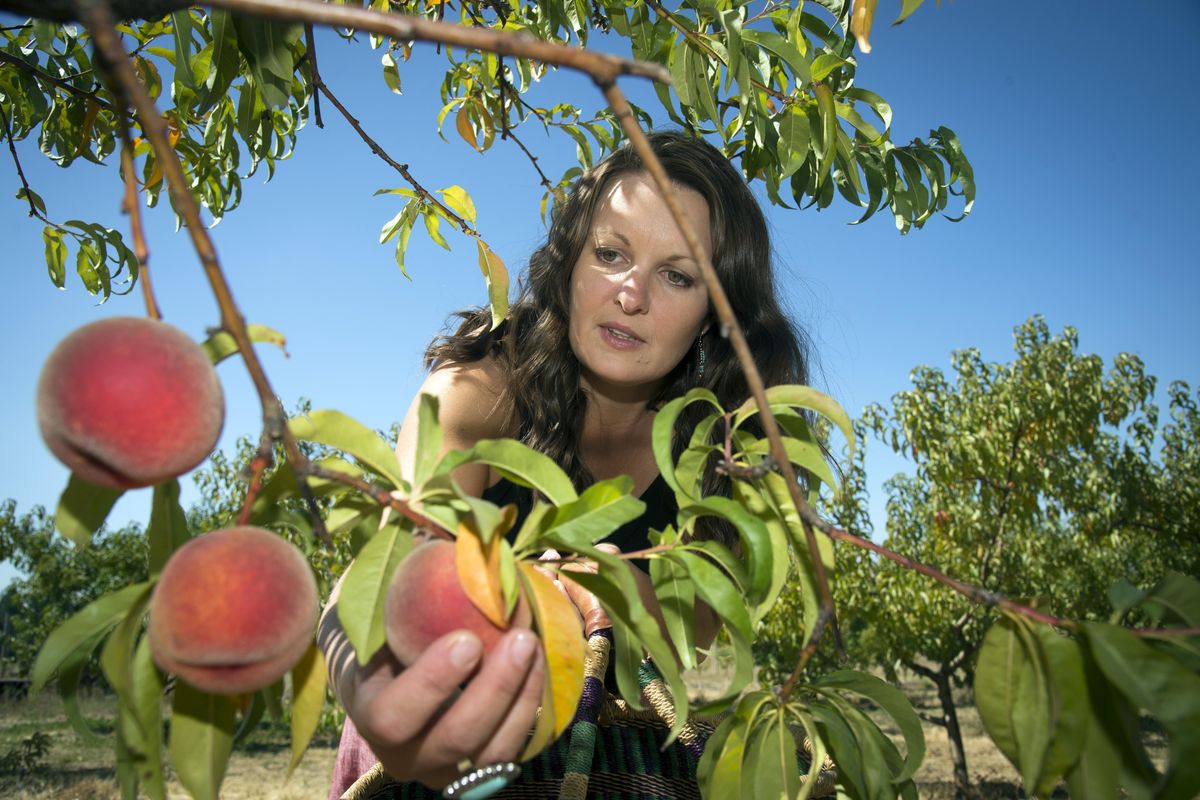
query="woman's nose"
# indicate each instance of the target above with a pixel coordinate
(631, 296)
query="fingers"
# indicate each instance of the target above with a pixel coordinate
(593, 614)
(396, 709)
(494, 712)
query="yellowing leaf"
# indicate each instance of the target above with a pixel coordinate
(563, 647)
(478, 566)
(463, 123)
(495, 274)
(457, 198)
(861, 19)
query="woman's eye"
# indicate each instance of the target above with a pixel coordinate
(607, 255)
(677, 278)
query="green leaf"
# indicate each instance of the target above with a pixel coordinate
(363, 595)
(81, 633)
(1001, 659)
(1113, 754)
(794, 140)
(201, 739)
(891, 700)
(391, 73)
(781, 47)
(663, 435)
(221, 344)
(168, 529)
(601, 509)
(429, 441)
(349, 435)
(1160, 684)
(82, 509)
(677, 600)
(826, 63)
(771, 770)
(1179, 596)
(907, 7)
(523, 466)
(724, 597)
(432, 223)
(308, 698)
(267, 47)
(785, 396)
(34, 199)
(756, 541)
(148, 683)
(56, 255)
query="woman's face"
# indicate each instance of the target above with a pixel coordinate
(637, 298)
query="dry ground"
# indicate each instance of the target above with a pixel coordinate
(76, 770)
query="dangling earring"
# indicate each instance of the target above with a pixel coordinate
(700, 356)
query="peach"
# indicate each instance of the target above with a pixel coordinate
(425, 601)
(127, 402)
(233, 611)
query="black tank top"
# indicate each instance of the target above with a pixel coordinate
(660, 512)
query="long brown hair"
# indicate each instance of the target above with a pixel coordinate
(547, 405)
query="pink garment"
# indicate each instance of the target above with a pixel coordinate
(354, 758)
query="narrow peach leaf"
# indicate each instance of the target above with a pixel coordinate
(563, 647)
(478, 566)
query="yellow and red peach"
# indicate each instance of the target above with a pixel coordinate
(233, 610)
(425, 601)
(127, 402)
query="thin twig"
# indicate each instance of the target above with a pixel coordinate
(12, 148)
(378, 150)
(381, 496)
(96, 15)
(131, 206)
(975, 594)
(314, 76)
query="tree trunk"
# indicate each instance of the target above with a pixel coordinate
(962, 782)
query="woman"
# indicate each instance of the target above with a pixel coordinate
(612, 321)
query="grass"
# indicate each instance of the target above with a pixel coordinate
(75, 768)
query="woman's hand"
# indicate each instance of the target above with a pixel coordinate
(422, 725)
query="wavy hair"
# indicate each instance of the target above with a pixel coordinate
(547, 405)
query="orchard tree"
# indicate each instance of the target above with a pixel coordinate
(1048, 477)
(57, 580)
(776, 85)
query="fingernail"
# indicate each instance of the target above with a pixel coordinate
(522, 647)
(465, 651)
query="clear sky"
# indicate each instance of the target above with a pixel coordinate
(1079, 119)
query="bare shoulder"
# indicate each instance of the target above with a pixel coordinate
(472, 401)
(472, 405)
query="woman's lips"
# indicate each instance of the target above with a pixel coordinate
(620, 338)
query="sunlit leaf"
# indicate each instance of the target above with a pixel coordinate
(308, 699)
(364, 591)
(564, 649)
(221, 344)
(201, 739)
(82, 509)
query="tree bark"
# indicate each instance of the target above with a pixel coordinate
(64, 10)
(958, 754)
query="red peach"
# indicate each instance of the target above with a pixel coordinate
(233, 611)
(129, 401)
(425, 601)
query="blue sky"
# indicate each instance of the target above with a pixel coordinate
(1079, 124)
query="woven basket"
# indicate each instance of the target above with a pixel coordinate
(610, 752)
